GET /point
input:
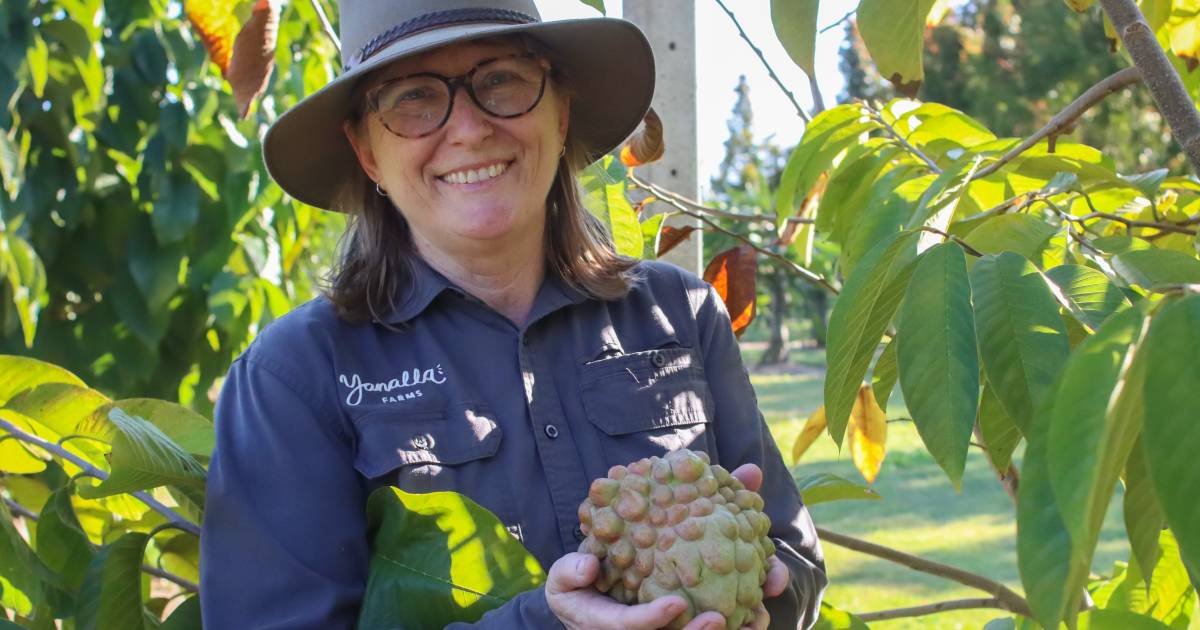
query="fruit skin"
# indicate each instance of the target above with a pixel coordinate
(676, 525)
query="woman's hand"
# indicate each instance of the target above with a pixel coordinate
(579, 606)
(571, 596)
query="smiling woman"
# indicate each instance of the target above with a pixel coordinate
(453, 140)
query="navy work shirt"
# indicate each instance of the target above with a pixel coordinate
(317, 413)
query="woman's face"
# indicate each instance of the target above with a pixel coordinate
(511, 162)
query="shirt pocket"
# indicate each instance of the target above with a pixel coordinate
(429, 451)
(657, 397)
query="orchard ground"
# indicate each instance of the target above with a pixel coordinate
(919, 511)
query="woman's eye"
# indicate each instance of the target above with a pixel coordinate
(499, 78)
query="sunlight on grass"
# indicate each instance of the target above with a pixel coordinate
(920, 513)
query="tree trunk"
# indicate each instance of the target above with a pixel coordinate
(777, 348)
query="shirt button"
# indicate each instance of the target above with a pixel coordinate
(551, 431)
(422, 442)
(658, 360)
(579, 534)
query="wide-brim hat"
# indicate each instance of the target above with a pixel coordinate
(608, 63)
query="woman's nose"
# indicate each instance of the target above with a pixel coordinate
(468, 124)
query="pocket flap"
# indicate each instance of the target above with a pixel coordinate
(388, 440)
(645, 390)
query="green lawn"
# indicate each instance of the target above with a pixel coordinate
(920, 512)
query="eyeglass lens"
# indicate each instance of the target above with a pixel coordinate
(418, 105)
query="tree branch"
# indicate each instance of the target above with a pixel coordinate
(92, 471)
(1067, 117)
(1172, 98)
(902, 141)
(1005, 597)
(662, 193)
(326, 27)
(929, 609)
(961, 243)
(771, 71)
(841, 20)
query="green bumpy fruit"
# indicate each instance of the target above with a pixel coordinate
(675, 525)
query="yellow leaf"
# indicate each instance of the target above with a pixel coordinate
(868, 434)
(646, 144)
(1079, 5)
(812, 429)
(217, 25)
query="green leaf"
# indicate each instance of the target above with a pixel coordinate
(651, 229)
(1090, 440)
(1167, 596)
(1022, 339)
(39, 65)
(606, 200)
(1045, 556)
(143, 457)
(868, 301)
(19, 568)
(893, 200)
(595, 4)
(177, 208)
(18, 456)
(445, 551)
(61, 542)
(26, 278)
(1000, 433)
(1102, 619)
(849, 188)
(1147, 183)
(1154, 268)
(1172, 435)
(59, 406)
(111, 594)
(833, 619)
(185, 617)
(830, 132)
(883, 377)
(1021, 233)
(1144, 520)
(1090, 292)
(937, 358)
(894, 33)
(826, 487)
(950, 125)
(795, 23)
(187, 429)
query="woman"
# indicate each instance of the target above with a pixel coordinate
(480, 335)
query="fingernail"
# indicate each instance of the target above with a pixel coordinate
(579, 568)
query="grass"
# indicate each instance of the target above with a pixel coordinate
(920, 512)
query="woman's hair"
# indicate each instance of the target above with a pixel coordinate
(374, 263)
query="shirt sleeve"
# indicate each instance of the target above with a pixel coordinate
(743, 437)
(284, 541)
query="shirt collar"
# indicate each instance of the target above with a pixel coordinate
(427, 284)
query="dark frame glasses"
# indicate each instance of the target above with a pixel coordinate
(465, 81)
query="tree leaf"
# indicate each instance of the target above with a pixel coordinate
(795, 23)
(868, 434)
(672, 236)
(18, 456)
(830, 132)
(185, 617)
(1167, 596)
(813, 428)
(894, 33)
(19, 568)
(883, 377)
(605, 198)
(651, 231)
(849, 187)
(1154, 268)
(61, 542)
(1021, 233)
(1000, 433)
(595, 4)
(445, 551)
(834, 619)
(892, 203)
(143, 457)
(26, 277)
(1147, 183)
(38, 57)
(1102, 619)
(175, 214)
(646, 144)
(1172, 436)
(937, 357)
(951, 125)
(111, 594)
(187, 429)
(868, 301)
(18, 374)
(734, 274)
(1079, 6)
(253, 55)
(826, 487)
(59, 406)
(1022, 340)
(1144, 520)
(1088, 434)
(1090, 291)
(217, 26)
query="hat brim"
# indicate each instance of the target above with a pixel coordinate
(608, 61)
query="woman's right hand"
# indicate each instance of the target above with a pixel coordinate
(579, 606)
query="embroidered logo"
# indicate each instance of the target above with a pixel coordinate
(407, 379)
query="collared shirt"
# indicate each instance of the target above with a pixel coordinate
(447, 394)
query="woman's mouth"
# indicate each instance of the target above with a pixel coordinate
(475, 175)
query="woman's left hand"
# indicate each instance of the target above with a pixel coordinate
(778, 576)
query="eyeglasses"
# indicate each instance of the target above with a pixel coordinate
(417, 105)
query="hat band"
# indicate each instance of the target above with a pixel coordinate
(430, 21)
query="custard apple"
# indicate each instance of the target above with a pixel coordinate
(676, 525)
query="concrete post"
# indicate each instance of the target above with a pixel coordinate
(670, 25)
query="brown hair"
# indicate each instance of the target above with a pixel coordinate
(374, 265)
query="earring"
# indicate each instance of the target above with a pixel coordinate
(382, 192)
(563, 152)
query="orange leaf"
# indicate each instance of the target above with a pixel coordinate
(734, 274)
(868, 434)
(809, 434)
(217, 25)
(254, 55)
(646, 144)
(672, 236)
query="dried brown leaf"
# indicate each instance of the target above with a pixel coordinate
(734, 274)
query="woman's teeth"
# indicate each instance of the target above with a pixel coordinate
(475, 175)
